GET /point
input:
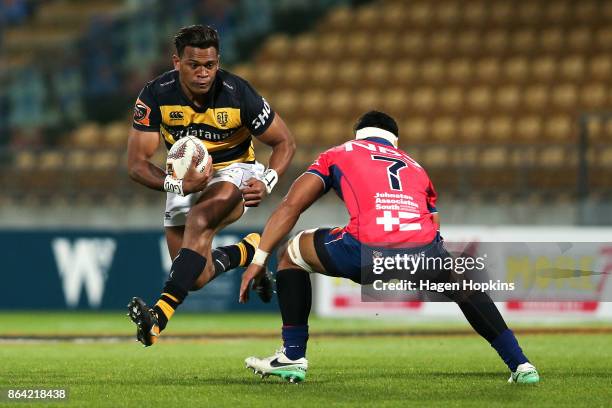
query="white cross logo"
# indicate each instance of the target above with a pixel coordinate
(387, 220)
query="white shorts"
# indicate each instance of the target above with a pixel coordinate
(177, 207)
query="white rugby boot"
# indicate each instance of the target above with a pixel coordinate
(279, 365)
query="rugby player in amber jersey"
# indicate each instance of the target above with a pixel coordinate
(198, 98)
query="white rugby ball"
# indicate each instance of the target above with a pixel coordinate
(182, 152)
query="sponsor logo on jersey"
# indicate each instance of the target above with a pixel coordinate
(263, 117)
(141, 113)
(176, 115)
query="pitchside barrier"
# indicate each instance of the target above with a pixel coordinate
(556, 273)
(92, 270)
(97, 269)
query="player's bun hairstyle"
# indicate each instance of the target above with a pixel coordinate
(379, 120)
(197, 36)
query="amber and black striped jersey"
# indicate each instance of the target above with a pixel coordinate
(233, 111)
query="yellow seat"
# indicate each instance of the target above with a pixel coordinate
(404, 71)
(394, 15)
(604, 37)
(447, 13)
(313, 102)
(565, 96)
(508, 97)
(593, 96)
(444, 129)
(524, 39)
(368, 99)
(579, 39)
(86, 136)
(552, 39)
(516, 69)
(493, 156)
(440, 42)
(529, 129)
(451, 99)
(115, 134)
(412, 43)
(295, 75)
(474, 12)
(472, 129)
(78, 160)
(305, 46)
(423, 99)
(552, 156)
(557, 11)
(500, 128)
(245, 71)
(496, 41)
(460, 70)
(322, 74)
(469, 41)
(276, 47)
(502, 12)
(600, 67)
(559, 128)
(488, 69)
(339, 19)
(25, 160)
(395, 102)
(432, 70)
(529, 12)
(334, 132)
(414, 129)
(479, 98)
(543, 68)
(107, 160)
(306, 132)
(356, 43)
(536, 97)
(573, 68)
(51, 160)
(367, 18)
(349, 72)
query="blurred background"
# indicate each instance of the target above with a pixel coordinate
(506, 104)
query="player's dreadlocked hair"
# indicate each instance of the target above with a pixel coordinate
(378, 120)
(197, 36)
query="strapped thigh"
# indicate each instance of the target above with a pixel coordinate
(293, 249)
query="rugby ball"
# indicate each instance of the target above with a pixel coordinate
(181, 154)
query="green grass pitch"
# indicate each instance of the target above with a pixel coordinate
(374, 370)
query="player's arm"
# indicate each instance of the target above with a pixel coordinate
(302, 194)
(141, 148)
(277, 136)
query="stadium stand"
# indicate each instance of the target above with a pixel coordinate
(490, 95)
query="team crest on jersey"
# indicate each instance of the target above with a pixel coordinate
(222, 118)
(141, 113)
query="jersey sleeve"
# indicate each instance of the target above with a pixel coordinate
(255, 111)
(432, 197)
(147, 116)
(322, 168)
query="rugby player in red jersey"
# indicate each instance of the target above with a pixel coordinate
(363, 172)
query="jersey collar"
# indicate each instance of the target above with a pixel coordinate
(379, 140)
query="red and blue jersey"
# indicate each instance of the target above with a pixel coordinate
(389, 196)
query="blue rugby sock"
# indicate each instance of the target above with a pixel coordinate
(294, 341)
(509, 350)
